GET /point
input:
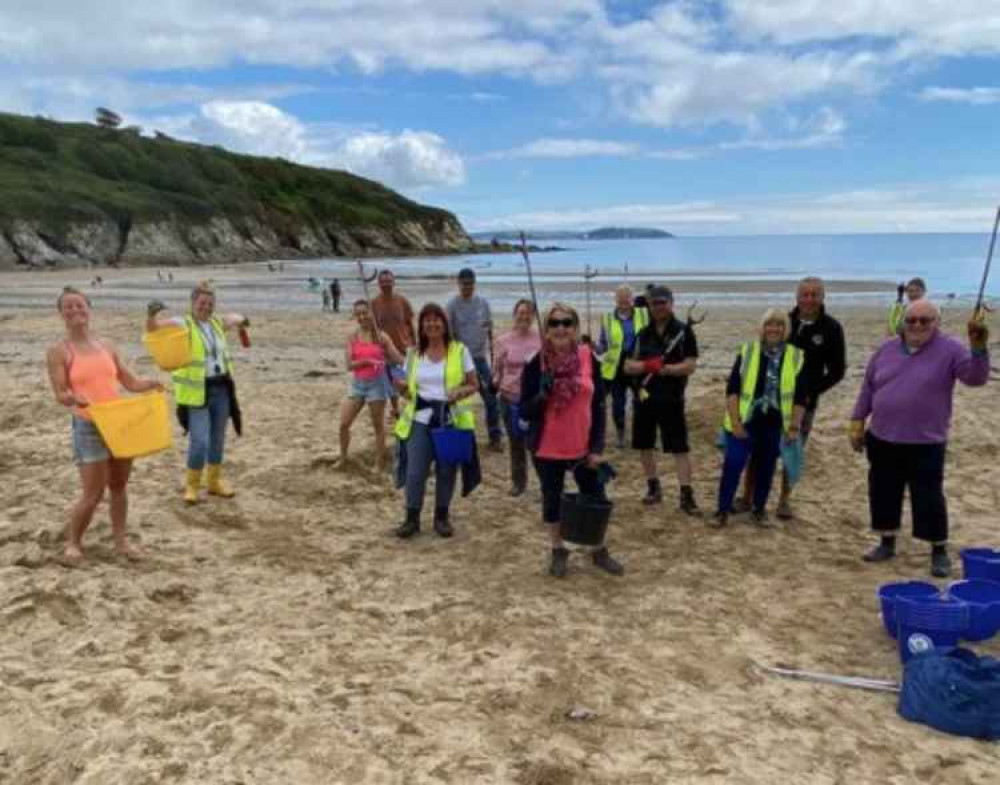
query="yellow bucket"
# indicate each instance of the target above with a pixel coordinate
(169, 347)
(132, 427)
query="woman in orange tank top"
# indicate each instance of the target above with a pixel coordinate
(85, 369)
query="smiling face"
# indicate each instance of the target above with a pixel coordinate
(203, 306)
(661, 309)
(523, 317)
(623, 299)
(75, 310)
(773, 332)
(809, 299)
(363, 316)
(386, 280)
(432, 326)
(914, 292)
(920, 323)
(560, 329)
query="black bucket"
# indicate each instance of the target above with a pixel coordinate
(584, 519)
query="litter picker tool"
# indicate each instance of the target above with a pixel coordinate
(854, 682)
(588, 275)
(531, 284)
(977, 313)
(690, 321)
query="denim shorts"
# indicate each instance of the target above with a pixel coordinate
(370, 390)
(88, 444)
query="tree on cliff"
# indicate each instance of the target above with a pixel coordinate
(106, 118)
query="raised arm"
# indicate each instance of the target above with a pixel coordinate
(129, 380)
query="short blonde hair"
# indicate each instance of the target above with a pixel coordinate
(775, 315)
(557, 306)
(202, 287)
(623, 289)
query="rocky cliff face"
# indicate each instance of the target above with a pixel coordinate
(172, 242)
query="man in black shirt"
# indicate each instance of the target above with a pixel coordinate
(665, 355)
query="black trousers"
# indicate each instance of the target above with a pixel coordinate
(552, 476)
(894, 467)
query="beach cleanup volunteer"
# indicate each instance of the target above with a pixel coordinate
(84, 369)
(562, 399)
(439, 376)
(665, 355)
(471, 322)
(513, 350)
(619, 329)
(367, 351)
(394, 316)
(765, 403)
(914, 289)
(901, 420)
(204, 389)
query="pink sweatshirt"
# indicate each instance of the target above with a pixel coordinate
(511, 353)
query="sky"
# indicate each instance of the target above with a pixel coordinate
(721, 117)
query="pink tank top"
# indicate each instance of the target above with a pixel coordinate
(367, 350)
(566, 433)
(92, 376)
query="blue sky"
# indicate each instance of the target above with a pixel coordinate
(718, 117)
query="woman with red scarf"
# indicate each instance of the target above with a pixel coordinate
(563, 401)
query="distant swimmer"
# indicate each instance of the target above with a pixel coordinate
(84, 369)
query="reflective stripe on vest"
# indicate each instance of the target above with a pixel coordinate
(189, 381)
(792, 361)
(615, 334)
(454, 376)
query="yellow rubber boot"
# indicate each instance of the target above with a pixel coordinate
(216, 487)
(191, 486)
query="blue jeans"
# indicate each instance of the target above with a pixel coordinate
(207, 427)
(419, 457)
(618, 390)
(489, 398)
(763, 446)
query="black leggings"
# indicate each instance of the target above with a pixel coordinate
(894, 467)
(552, 475)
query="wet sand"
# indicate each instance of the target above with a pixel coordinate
(287, 636)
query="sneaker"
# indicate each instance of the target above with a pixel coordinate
(719, 520)
(940, 564)
(560, 561)
(688, 504)
(759, 518)
(604, 560)
(784, 511)
(654, 494)
(880, 552)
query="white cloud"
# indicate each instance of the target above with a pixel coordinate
(978, 96)
(252, 127)
(568, 148)
(412, 159)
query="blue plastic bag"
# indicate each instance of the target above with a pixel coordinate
(953, 691)
(793, 459)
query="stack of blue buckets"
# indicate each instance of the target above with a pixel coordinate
(921, 618)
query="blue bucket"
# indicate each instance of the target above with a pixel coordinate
(888, 593)
(518, 427)
(983, 599)
(927, 623)
(981, 563)
(452, 445)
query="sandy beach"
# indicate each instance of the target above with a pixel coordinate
(286, 636)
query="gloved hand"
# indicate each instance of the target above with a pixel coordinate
(153, 307)
(654, 365)
(979, 334)
(856, 433)
(900, 291)
(546, 384)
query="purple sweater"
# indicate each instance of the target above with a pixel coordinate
(909, 395)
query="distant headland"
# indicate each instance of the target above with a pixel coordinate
(604, 233)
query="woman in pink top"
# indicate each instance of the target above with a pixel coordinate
(563, 401)
(511, 352)
(365, 355)
(85, 369)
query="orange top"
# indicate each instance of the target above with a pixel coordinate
(92, 376)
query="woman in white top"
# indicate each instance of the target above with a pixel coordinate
(440, 374)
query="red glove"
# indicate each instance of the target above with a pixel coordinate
(653, 366)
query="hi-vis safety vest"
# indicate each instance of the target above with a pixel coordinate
(791, 364)
(189, 381)
(615, 334)
(454, 376)
(896, 314)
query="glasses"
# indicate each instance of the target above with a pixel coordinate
(567, 323)
(923, 321)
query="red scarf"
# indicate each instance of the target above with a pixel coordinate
(565, 370)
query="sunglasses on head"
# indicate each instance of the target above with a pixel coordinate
(923, 321)
(557, 322)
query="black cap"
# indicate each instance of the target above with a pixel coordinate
(466, 274)
(660, 293)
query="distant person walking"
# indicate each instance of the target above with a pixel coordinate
(394, 316)
(664, 357)
(326, 299)
(914, 289)
(902, 418)
(335, 294)
(619, 329)
(366, 354)
(84, 369)
(512, 352)
(472, 323)
(204, 389)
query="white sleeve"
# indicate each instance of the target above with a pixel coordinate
(177, 320)
(467, 363)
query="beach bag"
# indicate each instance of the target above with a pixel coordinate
(954, 691)
(793, 459)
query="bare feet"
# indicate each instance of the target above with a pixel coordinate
(72, 556)
(130, 551)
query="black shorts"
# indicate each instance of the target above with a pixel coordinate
(669, 417)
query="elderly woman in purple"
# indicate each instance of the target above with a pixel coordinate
(905, 401)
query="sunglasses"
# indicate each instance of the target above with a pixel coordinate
(567, 323)
(923, 321)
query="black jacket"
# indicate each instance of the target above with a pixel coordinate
(822, 342)
(532, 407)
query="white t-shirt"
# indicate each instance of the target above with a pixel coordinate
(216, 352)
(430, 381)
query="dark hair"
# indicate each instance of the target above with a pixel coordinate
(917, 282)
(523, 301)
(431, 309)
(363, 302)
(466, 274)
(68, 290)
(386, 271)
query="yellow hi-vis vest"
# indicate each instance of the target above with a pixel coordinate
(615, 334)
(791, 364)
(454, 376)
(896, 314)
(189, 381)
